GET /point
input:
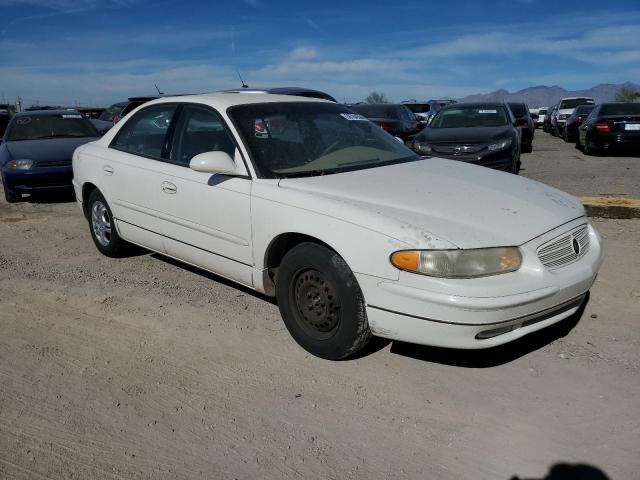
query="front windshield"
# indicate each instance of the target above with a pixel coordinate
(300, 139)
(470, 116)
(33, 127)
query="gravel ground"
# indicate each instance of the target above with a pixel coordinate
(141, 368)
(557, 163)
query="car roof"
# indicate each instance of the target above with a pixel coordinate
(295, 91)
(59, 111)
(474, 104)
(224, 100)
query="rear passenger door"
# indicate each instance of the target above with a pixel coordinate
(206, 219)
(133, 173)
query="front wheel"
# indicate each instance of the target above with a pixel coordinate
(321, 302)
(9, 196)
(102, 227)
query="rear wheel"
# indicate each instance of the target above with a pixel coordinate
(321, 302)
(102, 227)
(588, 149)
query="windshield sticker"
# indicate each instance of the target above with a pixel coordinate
(23, 120)
(77, 115)
(352, 116)
(487, 111)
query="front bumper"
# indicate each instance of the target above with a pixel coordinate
(38, 178)
(482, 312)
(501, 160)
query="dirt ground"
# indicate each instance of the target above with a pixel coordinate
(141, 368)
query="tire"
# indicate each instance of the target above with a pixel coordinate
(9, 196)
(527, 148)
(102, 228)
(587, 150)
(321, 303)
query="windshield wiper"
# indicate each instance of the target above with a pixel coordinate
(360, 162)
(308, 173)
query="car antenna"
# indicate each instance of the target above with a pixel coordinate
(159, 92)
(244, 85)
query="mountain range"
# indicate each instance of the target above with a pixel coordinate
(543, 96)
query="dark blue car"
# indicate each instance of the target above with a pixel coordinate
(36, 151)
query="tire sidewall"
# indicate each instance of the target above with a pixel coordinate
(352, 313)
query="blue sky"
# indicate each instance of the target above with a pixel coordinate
(101, 51)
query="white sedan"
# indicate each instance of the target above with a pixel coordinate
(355, 234)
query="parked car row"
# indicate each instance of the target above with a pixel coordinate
(595, 128)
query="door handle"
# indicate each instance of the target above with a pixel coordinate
(169, 188)
(108, 170)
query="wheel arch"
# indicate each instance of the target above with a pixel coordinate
(278, 248)
(87, 189)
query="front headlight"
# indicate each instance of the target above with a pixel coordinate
(500, 145)
(423, 148)
(19, 164)
(479, 262)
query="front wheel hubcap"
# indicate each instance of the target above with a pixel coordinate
(317, 304)
(101, 223)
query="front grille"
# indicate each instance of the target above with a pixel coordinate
(54, 163)
(561, 250)
(458, 149)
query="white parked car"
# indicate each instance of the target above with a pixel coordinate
(353, 233)
(565, 108)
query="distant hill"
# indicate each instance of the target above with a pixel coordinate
(543, 96)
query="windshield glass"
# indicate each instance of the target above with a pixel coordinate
(472, 116)
(110, 112)
(418, 107)
(584, 109)
(377, 111)
(291, 139)
(575, 102)
(33, 127)
(620, 109)
(542, 111)
(517, 109)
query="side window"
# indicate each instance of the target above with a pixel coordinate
(200, 130)
(146, 132)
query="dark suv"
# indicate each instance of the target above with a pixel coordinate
(525, 123)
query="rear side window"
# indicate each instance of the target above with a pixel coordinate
(146, 132)
(198, 130)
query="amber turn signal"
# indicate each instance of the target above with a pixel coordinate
(406, 260)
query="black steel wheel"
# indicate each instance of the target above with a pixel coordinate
(321, 302)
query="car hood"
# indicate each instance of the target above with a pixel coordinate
(46, 150)
(423, 202)
(463, 135)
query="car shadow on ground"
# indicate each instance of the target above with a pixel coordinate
(567, 471)
(213, 277)
(495, 356)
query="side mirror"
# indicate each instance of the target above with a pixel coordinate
(535, 116)
(520, 122)
(216, 163)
